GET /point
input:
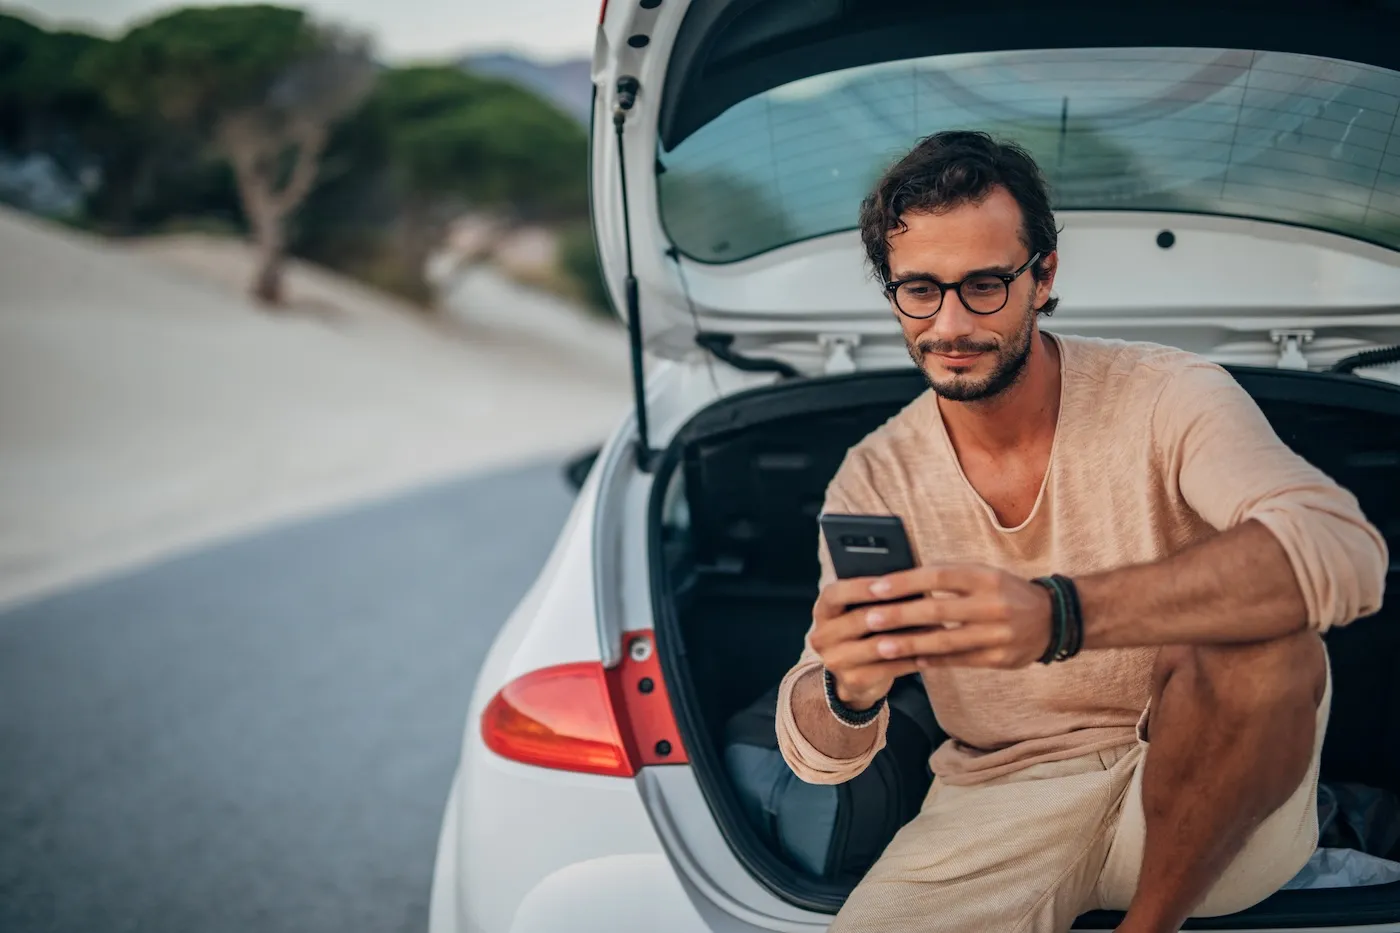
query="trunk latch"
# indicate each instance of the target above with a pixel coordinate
(838, 349)
(1290, 347)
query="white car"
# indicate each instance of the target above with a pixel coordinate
(1228, 182)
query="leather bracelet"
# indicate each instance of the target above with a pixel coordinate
(854, 718)
(1057, 619)
(1066, 618)
(1076, 614)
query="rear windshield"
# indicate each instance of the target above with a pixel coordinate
(1271, 136)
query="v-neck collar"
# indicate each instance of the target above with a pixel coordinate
(1049, 466)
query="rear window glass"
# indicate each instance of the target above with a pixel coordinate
(1262, 135)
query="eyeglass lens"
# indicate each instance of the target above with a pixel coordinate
(983, 294)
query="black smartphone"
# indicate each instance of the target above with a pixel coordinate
(867, 546)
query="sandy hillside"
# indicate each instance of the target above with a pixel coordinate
(146, 405)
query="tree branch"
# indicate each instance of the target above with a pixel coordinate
(311, 139)
(240, 137)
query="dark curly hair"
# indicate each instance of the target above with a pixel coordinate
(958, 167)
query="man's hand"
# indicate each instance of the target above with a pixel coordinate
(862, 677)
(973, 616)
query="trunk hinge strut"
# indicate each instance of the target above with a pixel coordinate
(627, 87)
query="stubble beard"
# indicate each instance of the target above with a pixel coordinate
(1010, 364)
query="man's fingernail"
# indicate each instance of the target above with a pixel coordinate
(888, 648)
(874, 618)
(880, 587)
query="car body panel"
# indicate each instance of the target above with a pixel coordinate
(512, 826)
(605, 895)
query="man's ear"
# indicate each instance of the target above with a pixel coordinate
(1048, 266)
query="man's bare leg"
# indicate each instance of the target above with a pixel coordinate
(1231, 731)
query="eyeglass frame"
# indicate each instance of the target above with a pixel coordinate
(1006, 279)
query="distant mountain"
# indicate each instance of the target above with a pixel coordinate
(566, 83)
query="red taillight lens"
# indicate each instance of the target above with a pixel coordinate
(603, 13)
(558, 717)
(582, 717)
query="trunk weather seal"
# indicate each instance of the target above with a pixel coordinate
(1283, 910)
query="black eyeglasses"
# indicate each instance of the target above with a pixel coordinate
(921, 297)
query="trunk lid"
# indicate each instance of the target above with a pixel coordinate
(1228, 183)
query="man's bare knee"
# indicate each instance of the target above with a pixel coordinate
(1262, 677)
(1252, 679)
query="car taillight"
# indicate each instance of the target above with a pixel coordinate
(603, 13)
(584, 717)
(559, 717)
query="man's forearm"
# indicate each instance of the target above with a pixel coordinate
(1235, 587)
(818, 726)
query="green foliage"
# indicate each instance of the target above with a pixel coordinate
(193, 65)
(489, 142)
(40, 67)
(578, 259)
(43, 95)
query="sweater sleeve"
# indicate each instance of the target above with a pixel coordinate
(1231, 467)
(851, 491)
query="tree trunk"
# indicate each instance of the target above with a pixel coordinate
(420, 232)
(269, 242)
(267, 281)
(254, 148)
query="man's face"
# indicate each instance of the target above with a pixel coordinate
(965, 356)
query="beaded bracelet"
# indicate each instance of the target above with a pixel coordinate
(855, 718)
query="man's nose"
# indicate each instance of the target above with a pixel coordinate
(953, 319)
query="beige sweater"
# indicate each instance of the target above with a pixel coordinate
(1155, 449)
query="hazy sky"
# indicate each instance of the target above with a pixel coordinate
(548, 29)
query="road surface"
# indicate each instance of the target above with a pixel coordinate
(258, 736)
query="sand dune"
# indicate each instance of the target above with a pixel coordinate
(146, 405)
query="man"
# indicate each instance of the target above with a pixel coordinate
(1169, 769)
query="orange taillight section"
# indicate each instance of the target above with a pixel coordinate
(583, 717)
(558, 717)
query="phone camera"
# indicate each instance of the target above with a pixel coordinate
(863, 541)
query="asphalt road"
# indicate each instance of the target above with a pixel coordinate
(260, 735)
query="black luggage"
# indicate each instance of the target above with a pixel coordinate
(833, 832)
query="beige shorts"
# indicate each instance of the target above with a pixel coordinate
(1034, 849)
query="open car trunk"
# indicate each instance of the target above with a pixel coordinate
(734, 575)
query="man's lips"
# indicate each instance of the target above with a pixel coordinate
(957, 357)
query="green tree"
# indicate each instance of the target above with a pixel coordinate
(457, 142)
(45, 105)
(263, 86)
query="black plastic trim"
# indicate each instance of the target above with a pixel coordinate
(722, 346)
(1377, 357)
(753, 407)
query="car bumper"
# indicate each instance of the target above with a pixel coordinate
(525, 849)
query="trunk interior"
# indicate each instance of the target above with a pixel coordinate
(734, 576)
